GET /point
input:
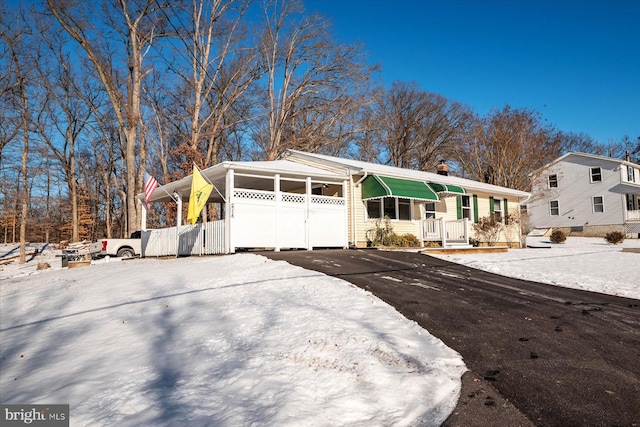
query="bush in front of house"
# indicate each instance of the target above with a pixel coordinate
(408, 240)
(383, 235)
(488, 229)
(558, 236)
(614, 237)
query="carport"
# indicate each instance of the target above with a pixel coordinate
(263, 205)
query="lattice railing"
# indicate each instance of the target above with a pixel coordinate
(292, 198)
(254, 195)
(327, 200)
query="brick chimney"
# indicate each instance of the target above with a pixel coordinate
(443, 169)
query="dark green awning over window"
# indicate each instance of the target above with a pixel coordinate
(442, 188)
(376, 186)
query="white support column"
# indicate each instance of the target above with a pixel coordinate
(443, 232)
(466, 230)
(178, 221)
(345, 188)
(228, 212)
(423, 216)
(276, 190)
(307, 220)
(178, 209)
(143, 216)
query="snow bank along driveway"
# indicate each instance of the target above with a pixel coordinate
(227, 341)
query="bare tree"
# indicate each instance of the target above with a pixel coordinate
(21, 68)
(507, 145)
(417, 128)
(67, 114)
(137, 23)
(310, 80)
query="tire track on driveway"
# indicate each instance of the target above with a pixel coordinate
(561, 356)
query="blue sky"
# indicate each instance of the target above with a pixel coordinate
(577, 62)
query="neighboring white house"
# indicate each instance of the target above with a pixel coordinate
(304, 200)
(587, 194)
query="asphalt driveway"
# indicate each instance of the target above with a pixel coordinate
(539, 354)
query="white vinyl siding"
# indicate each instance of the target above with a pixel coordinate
(574, 198)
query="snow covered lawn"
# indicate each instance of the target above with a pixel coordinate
(584, 263)
(227, 341)
(243, 340)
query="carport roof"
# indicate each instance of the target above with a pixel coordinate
(267, 169)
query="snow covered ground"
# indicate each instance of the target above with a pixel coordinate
(584, 263)
(243, 340)
(227, 341)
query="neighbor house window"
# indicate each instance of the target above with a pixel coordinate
(630, 204)
(630, 174)
(598, 204)
(596, 175)
(554, 208)
(429, 210)
(553, 181)
(393, 207)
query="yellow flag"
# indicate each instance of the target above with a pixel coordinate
(200, 191)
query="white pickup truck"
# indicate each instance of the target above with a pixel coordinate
(124, 248)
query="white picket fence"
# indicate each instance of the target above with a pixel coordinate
(199, 239)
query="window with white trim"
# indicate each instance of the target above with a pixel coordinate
(373, 208)
(393, 207)
(498, 209)
(630, 174)
(554, 208)
(467, 211)
(596, 174)
(403, 208)
(429, 210)
(630, 203)
(598, 204)
(553, 181)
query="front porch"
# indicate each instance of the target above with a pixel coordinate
(447, 233)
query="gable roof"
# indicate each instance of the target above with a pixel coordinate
(588, 156)
(357, 167)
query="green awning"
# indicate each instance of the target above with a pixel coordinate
(376, 186)
(447, 188)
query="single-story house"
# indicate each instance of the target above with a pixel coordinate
(586, 194)
(306, 200)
